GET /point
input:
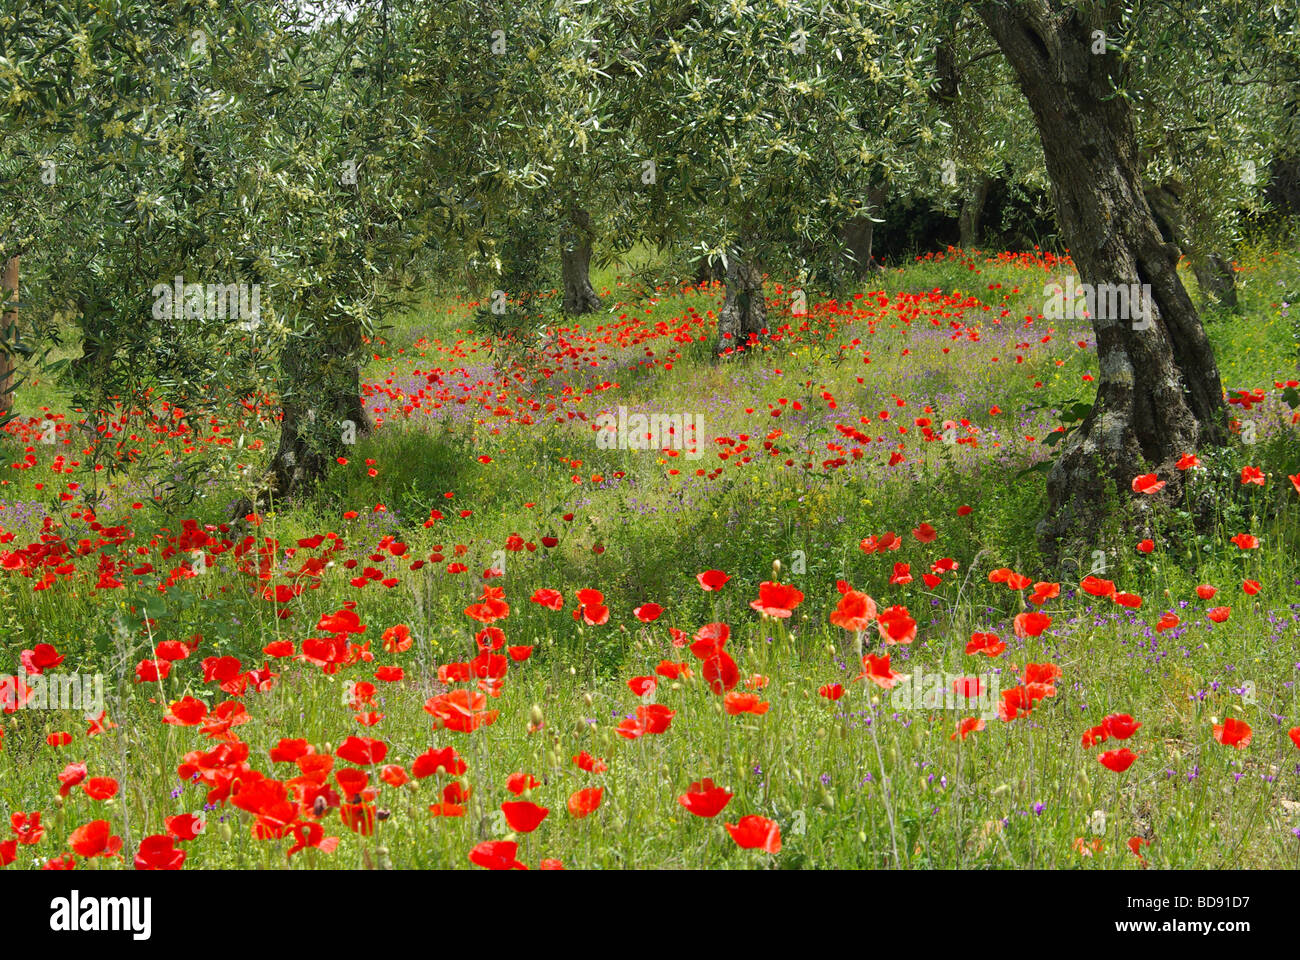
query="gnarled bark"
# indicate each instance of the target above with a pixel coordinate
(742, 321)
(858, 234)
(575, 255)
(1159, 394)
(972, 212)
(8, 335)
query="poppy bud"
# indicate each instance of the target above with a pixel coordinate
(862, 836)
(586, 699)
(674, 685)
(826, 799)
(382, 814)
(776, 569)
(1002, 789)
(535, 716)
(318, 807)
(385, 861)
(223, 831)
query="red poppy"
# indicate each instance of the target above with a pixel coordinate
(642, 685)
(1118, 760)
(756, 833)
(711, 580)
(94, 839)
(1233, 733)
(1167, 621)
(362, 750)
(517, 783)
(586, 761)
(1219, 614)
(648, 612)
(704, 799)
(159, 853)
(100, 788)
(777, 599)
(896, 625)
(584, 802)
(1148, 483)
(736, 703)
(876, 669)
(1121, 726)
(831, 691)
(551, 599)
(966, 727)
(1031, 623)
(985, 643)
(496, 855)
(523, 816)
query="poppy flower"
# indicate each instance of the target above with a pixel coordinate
(100, 788)
(925, 533)
(550, 599)
(777, 600)
(1219, 614)
(896, 625)
(1118, 760)
(854, 612)
(1148, 483)
(736, 703)
(362, 750)
(876, 669)
(1250, 587)
(1206, 592)
(584, 802)
(985, 643)
(434, 761)
(642, 685)
(966, 727)
(523, 816)
(1031, 623)
(831, 691)
(1121, 726)
(1246, 541)
(1097, 587)
(496, 855)
(1294, 734)
(1094, 736)
(26, 827)
(73, 774)
(159, 853)
(1167, 621)
(704, 799)
(94, 839)
(648, 612)
(1233, 733)
(586, 761)
(711, 580)
(1252, 475)
(756, 833)
(517, 783)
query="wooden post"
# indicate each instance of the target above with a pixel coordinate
(8, 334)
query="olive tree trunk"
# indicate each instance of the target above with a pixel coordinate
(575, 254)
(972, 212)
(1158, 394)
(8, 335)
(742, 322)
(322, 414)
(858, 235)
